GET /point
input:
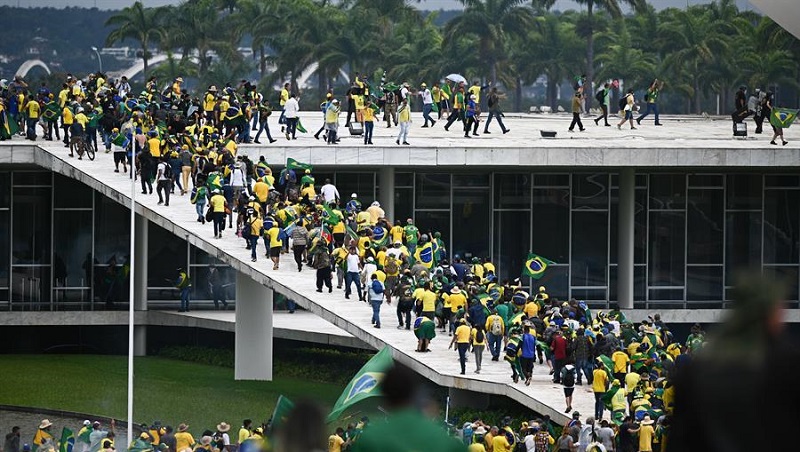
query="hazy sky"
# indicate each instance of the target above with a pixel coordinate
(424, 4)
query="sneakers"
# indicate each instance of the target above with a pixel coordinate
(638, 121)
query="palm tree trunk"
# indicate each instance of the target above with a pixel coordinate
(552, 92)
(321, 81)
(493, 70)
(144, 59)
(589, 55)
(518, 96)
(697, 96)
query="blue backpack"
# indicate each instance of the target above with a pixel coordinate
(377, 287)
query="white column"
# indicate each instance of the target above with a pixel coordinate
(253, 354)
(386, 191)
(140, 284)
(625, 242)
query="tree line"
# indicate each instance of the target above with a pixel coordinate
(703, 53)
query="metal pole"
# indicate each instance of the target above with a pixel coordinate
(447, 410)
(99, 58)
(132, 266)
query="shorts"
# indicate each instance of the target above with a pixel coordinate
(444, 104)
(568, 392)
(628, 114)
(275, 251)
(119, 157)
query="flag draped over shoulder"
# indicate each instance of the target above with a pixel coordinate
(783, 117)
(293, 164)
(364, 384)
(120, 140)
(282, 409)
(424, 255)
(535, 266)
(329, 216)
(67, 440)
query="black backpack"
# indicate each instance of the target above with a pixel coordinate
(623, 101)
(569, 378)
(600, 96)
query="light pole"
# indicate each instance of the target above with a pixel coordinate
(99, 58)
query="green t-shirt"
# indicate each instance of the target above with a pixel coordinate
(411, 233)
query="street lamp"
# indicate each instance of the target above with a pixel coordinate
(99, 58)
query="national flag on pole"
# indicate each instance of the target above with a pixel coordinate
(535, 266)
(281, 412)
(293, 164)
(67, 440)
(364, 384)
(783, 117)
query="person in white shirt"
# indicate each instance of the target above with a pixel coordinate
(164, 183)
(290, 112)
(353, 266)
(368, 269)
(427, 104)
(330, 195)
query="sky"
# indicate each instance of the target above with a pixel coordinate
(424, 4)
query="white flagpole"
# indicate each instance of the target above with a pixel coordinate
(131, 264)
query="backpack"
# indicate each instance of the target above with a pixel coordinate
(323, 260)
(623, 101)
(479, 336)
(496, 328)
(600, 97)
(569, 378)
(377, 287)
(391, 266)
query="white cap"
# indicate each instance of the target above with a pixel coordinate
(354, 195)
(87, 422)
(376, 204)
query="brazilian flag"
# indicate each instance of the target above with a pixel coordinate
(380, 237)
(9, 127)
(365, 384)
(282, 409)
(329, 216)
(67, 440)
(783, 117)
(535, 266)
(424, 255)
(293, 164)
(608, 364)
(51, 112)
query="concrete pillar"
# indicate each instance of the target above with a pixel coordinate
(140, 272)
(386, 193)
(140, 340)
(625, 231)
(253, 354)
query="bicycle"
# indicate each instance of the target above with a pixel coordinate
(83, 146)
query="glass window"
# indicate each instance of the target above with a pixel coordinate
(166, 253)
(742, 243)
(667, 242)
(666, 295)
(403, 179)
(201, 286)
(639, 283)
(5, 246)
(71, 193)
(363, 184)
(589, 248)
(781, 227)
(705, 180)
(27, 178)
(30, 288)
(403, 204)
(5, 189)
(781, 180)
(705, 227)
(551, 224)
(433, 191)
(72, 248)
(429, 222)
(200, 257)
(639, 226)
(512, 232)
(112, 229)
(556, 281)
(788, 276)
(704, 283)
(551, 180)
(512, 191)
(31, 240)
(744, 191)
(471, 180)
(590, 191)
(667, 191)
(589, 294)
(471, 216)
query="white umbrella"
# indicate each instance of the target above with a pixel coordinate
(458, 78)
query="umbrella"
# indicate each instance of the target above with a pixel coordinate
(458, 78)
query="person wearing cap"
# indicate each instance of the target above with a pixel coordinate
(427, 104)
(97, 436)
(353, 206)
(82, 440)
(332, 112)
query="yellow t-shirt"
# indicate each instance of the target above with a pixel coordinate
(243, 434)
(476, 91)
(500, 444)
(646, 433)
(217, 203)
(154, 144)
(620, 361)
(632, 379)
(81, 119)
(369, 114)
(183, 440)
(428, 299)
(284, 96)
(67, 116)
(261, 191)
(531, 309)
(599, 380)
(62, 97)
(32, 107)
(335, 443)
(397, 233)
(255, 227)
(476, 447)
(462, 334)
(474, 335)
(457, 301)
(210, 102)
(274, 241)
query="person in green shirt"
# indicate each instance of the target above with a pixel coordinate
(411, 236)
(651, 97)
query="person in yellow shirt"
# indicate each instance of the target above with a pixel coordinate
(218, 205)
(32, 110)
(369, 120)
(621, 360)
(154, 144)
(254, 223)
(599, 387)
(500, 442)
(209, 102)
(275, 244)
(531, 309)
(462, 338)
(183, 439)
(396, 233)
(67, 118)
(363, 220)
(646, 433)
(478, 337)
(244, 431)
(336, 441)
(427, 299)
(282, 101)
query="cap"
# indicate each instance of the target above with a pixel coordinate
(354, 195)
(423, 85)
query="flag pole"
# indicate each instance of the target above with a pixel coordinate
(132, 267)
(447, 410)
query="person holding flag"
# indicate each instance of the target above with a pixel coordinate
(43, 436)
(82, 440)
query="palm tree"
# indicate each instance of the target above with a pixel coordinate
(137, 23)
(198, 26)
(620, 59)
(491, 22)
(614, 9)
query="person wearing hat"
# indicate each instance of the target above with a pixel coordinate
(176, 87)
(462, 338)
(97, 436)
(353, 206)
(184, 439)
(646, 433)
(82, 438)
(427, 104)
(43, 435)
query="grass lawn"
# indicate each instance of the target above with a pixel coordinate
(167, 390)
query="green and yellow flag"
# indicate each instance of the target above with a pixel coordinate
(293, 164)
(783, 117)
(364, 384)
(424, 255)
(282, 409)
(535, 266)
(67, 440)
(329, 216)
